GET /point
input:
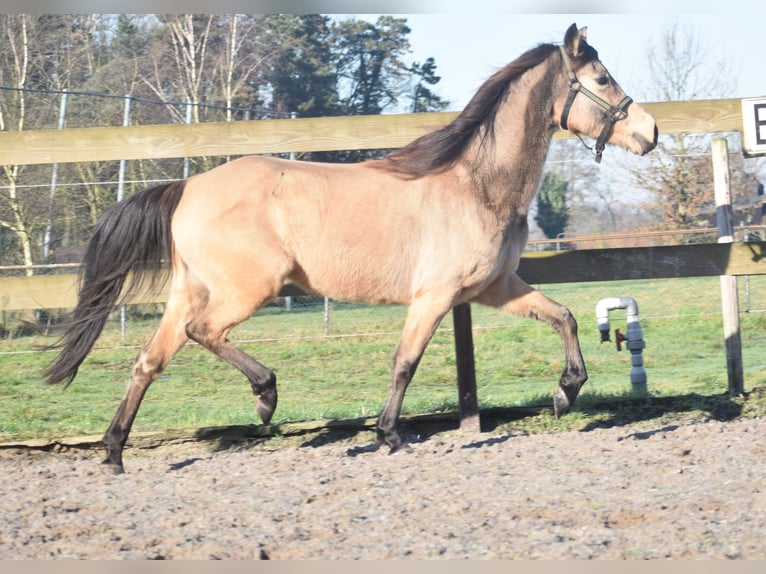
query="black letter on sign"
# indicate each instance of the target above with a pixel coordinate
(760, 124)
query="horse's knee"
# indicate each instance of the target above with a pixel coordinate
(403, 370)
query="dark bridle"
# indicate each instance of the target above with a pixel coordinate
(613, 114)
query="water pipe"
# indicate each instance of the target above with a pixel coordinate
(634, 337)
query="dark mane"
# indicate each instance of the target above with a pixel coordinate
(438, 150)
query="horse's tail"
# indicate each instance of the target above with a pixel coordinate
(132, 236)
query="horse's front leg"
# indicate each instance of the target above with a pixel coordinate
(423, 317)
(512, 295)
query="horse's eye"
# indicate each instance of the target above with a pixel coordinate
(603, 81)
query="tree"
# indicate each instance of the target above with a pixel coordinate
(301, 74)
(238, 62)
(14, 71)
(371, 74)
(36, 53)
(370, 69)
(683, 67)
(185, 41)
(552, 211)
(423, 99)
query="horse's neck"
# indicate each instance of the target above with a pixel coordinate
(507, 172)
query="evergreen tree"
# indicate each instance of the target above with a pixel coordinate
(301, 73)
(423, 99)
(370, 69)
(552, 212)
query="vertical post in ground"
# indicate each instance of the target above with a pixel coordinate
(120, 196)
(729, 294)
(466, 369)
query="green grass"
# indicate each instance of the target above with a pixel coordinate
(518, 362)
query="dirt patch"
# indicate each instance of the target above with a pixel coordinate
(646, 491)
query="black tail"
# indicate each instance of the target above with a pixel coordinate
(132, 236)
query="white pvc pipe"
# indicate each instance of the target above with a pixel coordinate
(609, 304)
(634, 336)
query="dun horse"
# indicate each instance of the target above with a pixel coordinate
(440, 222)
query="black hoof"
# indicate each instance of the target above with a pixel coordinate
(266, 404)
(112, 468)
(402, 448)
(561, 403)
(391, 439)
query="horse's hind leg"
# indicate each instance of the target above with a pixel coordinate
(210, 329)
(152, 359)
(516, 297)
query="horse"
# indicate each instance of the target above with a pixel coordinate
(439, 222)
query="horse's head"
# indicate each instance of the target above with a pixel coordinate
(590, 102)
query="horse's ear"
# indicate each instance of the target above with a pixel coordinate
(573, 38)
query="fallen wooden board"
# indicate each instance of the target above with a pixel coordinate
(232, 434)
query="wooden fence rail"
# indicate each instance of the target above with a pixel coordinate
(583, 265)
(297, 135)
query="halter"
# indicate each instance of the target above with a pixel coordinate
(613, 113)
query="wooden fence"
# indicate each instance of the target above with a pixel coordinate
(297, 135)
(376, 132)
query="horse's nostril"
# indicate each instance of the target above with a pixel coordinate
(646, 145)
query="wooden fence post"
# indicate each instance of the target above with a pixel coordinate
(466, 369)
(729, 294)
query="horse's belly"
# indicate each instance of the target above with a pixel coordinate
(353, 278)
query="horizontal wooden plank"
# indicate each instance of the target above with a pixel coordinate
(585, 265)
(38, 292)
(216, 138)
(51, 292)
(697, 116)
(658, 262)
(60, 292)
(298, 135)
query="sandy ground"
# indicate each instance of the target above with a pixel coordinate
(686, 491)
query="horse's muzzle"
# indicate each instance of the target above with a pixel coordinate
(646, 145)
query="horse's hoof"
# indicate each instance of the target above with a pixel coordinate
(111, 468)
(265, 405)
(561, 402)
(401, 448)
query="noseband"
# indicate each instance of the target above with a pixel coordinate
(612, 115)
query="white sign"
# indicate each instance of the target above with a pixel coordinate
(754, 126)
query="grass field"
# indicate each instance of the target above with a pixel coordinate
(345, 375)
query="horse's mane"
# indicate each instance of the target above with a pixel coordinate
(438, 150)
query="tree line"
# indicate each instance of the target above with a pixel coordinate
(179, 68)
